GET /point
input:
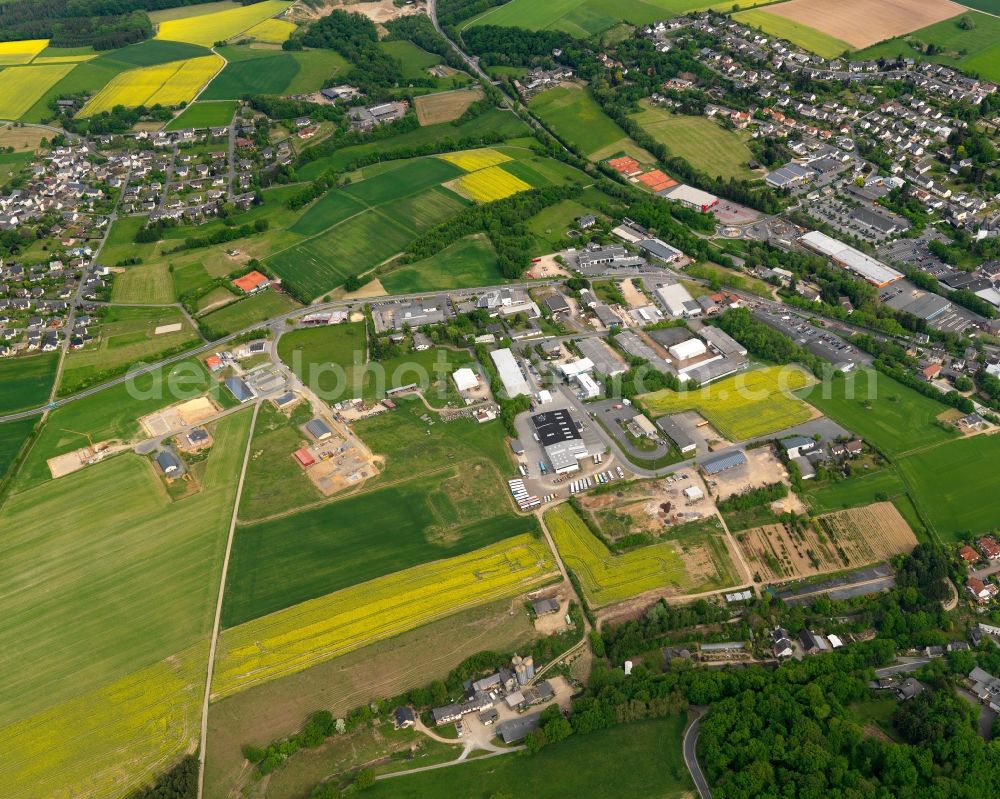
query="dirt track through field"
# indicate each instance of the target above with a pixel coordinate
(861, 23)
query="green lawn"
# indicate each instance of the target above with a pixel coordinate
(876, 710)
(110, 414)
(703, 143)
(415, 60)
(27, 381)
(468, 262)
(204, 115)
(951, 485)
(105, 575)
(247, 312)
(279, 563)
(310, 352)
(859, 489)
(575, 116)
(885, 413)
(124, 337)
(581, 18)
(976, 50)
(641, 759)
(805, 37)
(266, 71)
(12, 438)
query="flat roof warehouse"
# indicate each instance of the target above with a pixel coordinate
(872, 270)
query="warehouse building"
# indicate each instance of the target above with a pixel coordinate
(724, 462)
(675, 298)
(788, 175)
(238, 388)
(574, 368)
(687, 349)
(510, 373)
(634, 345)
(318, 429)
(722, 342)
(676, 434)
(864, 266)
(465, 379)
(660, 250)
(560, 439)
(606, 361)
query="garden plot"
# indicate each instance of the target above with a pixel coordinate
(841, 540)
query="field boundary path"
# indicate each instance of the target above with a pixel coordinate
(218, 606)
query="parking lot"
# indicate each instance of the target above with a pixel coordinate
(819, 342)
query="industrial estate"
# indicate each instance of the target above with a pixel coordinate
(492, 399)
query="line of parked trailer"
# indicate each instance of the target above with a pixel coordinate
(524, 500)
(598, 479)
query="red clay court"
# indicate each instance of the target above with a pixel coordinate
(626, 165)
(657, 180)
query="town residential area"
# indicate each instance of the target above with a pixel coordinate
(492, 399)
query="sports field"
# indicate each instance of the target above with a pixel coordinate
(207, 29)
(280, 563)
(646, 761)
(26, 382)
(204, 115)
(272, 31)
(291, 640)
(607, 578)
(20, 52)
(164, 84)
(109, 414)
(582, 18)
(887, 414)
(747, 405)
(21, 87)
(576, 117)
(795, 32)
(468, 262)
(705, 144)
(952, 485)
(106, 577)
(255, 71)
(976, 50)
(883, 19)
(126, 336)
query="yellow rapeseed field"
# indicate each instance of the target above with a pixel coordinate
(20, 87)
(208, 29)
(274, 31)
(167, 84)
(471, 160)
(492, 183)
(21, 52)
(107, 742)
(744, 406)
(293, 639)
(606, 577)
(63, 59)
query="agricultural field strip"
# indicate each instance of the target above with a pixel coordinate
(20, 51)
(293, 639)
(21, 87)
(207, 29)
(166, 84)
(606, 577)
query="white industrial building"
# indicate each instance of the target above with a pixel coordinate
(465, 379)
(588, 386)
(691, 197)
(575, 368)
(673, 298)
(864, 266)
(686, 350)
(510, 373)
(561, 440)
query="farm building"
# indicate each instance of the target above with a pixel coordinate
(796, 445)
(170, 464)
(686, 350)
(283, 401)
(252, 282)
(560, 439)
(238, 388)
(543, 607)
(724, 462)
(510, 373)
(465, 379)
(318, 429)
(691, 197)
(864, 266)
(517, 729)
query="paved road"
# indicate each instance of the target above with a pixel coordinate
(905, 667)
(691, 755)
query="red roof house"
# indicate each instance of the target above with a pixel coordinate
(252, 282)
(989, 547)
(968, 554)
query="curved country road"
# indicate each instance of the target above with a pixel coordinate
(691, 754)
